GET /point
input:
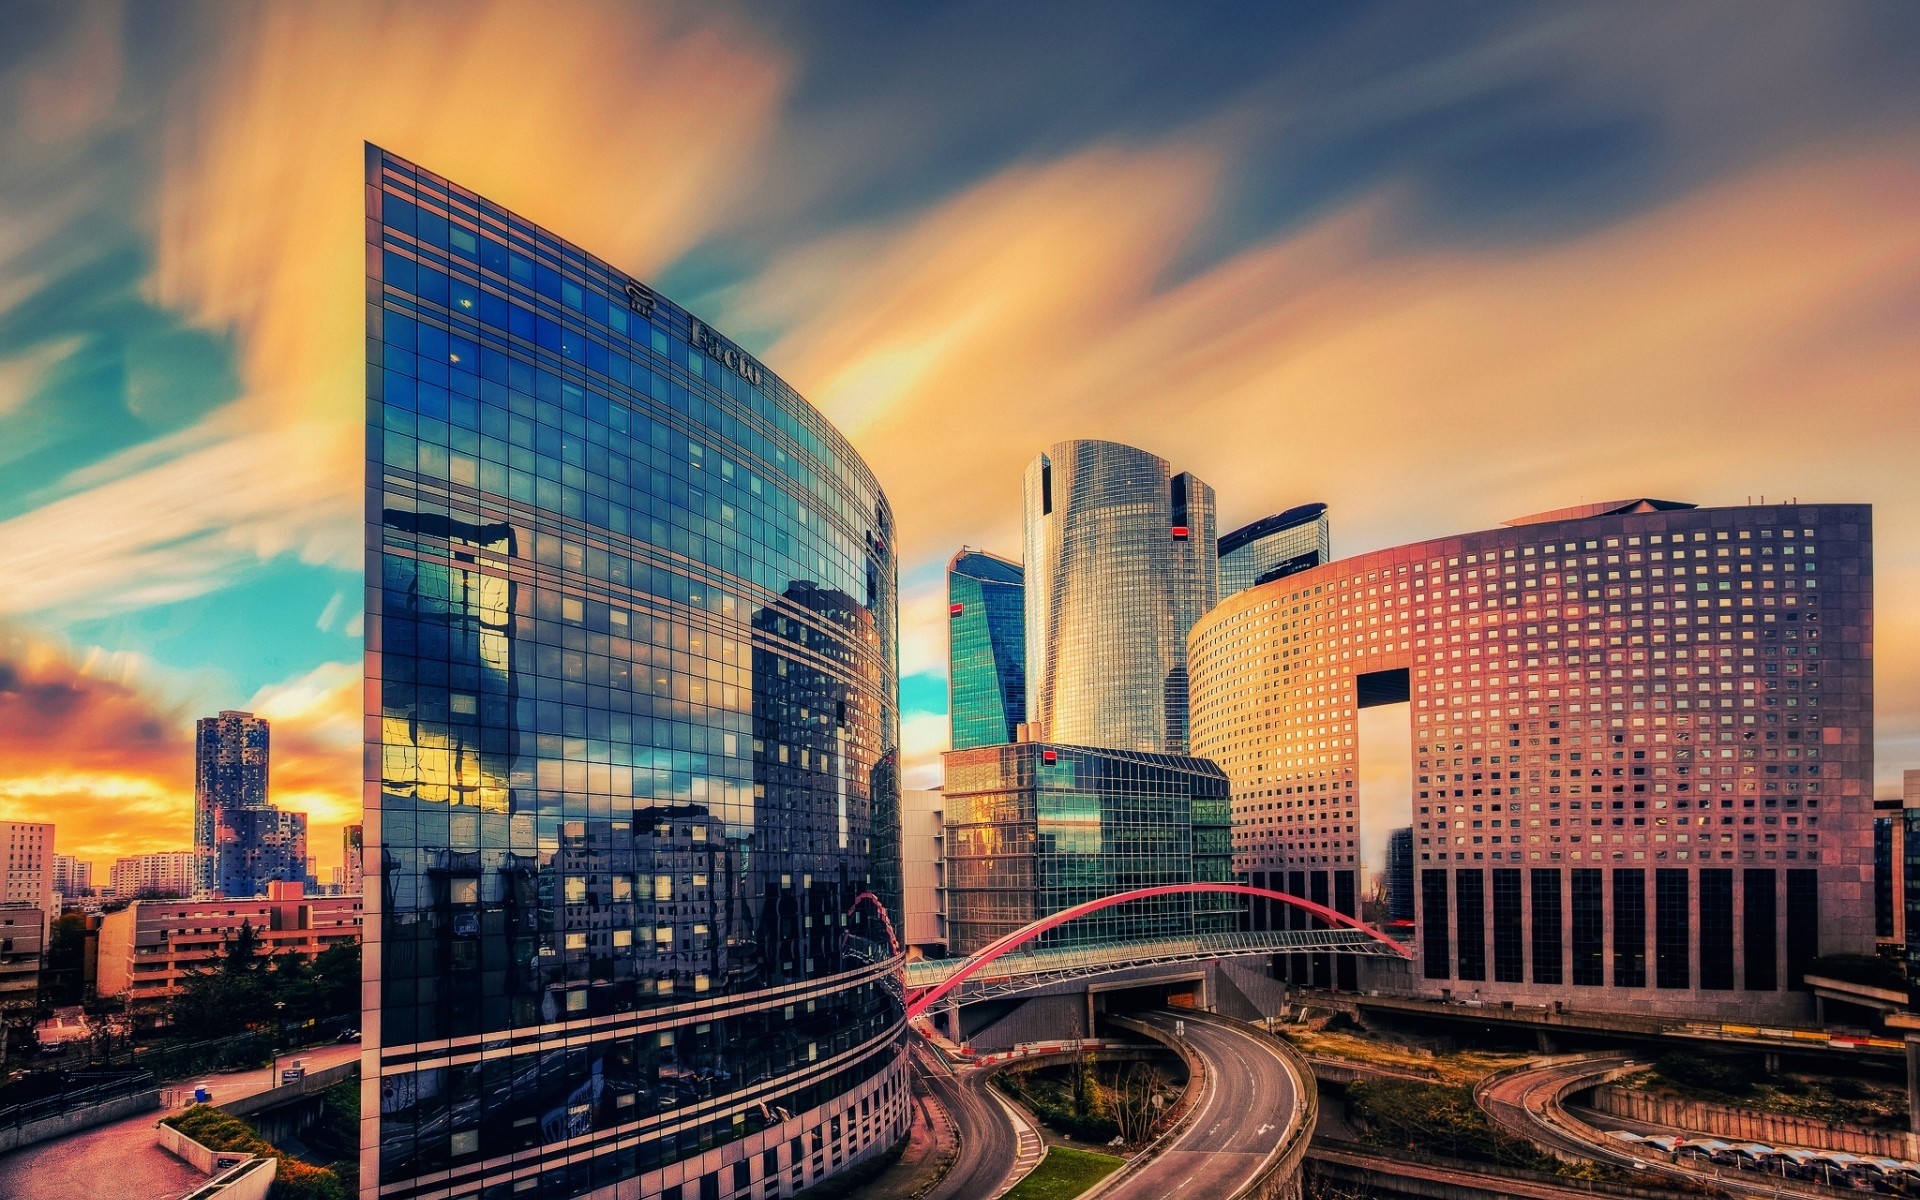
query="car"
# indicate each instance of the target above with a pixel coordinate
(348, 1035)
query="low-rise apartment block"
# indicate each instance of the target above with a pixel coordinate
(147, 948)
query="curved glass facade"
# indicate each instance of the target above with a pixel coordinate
(1120, 562)
(1274, 547)
(986, 649)
(631, 737)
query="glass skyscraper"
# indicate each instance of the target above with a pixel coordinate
(986, 649)
(1274, 547)
(1120, 563)
(632, 679)
(1035, 827)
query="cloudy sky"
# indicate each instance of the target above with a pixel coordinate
(1434, 264)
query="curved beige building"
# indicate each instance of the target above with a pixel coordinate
(1642, 746)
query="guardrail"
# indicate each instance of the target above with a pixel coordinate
(75, 1099)
(1178, 1119)
(1281, 1179)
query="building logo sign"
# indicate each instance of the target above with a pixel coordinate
(708, 342)
(640, 298)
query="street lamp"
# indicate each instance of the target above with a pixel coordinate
(279, 1042)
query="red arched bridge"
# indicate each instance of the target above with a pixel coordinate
(932, 980)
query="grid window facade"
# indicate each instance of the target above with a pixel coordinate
(632, 756)
(1274, 547)
(1120, 562)
(1641, 686)
(1033, 828)
(986, 650)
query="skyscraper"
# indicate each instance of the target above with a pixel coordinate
(632, 686)
(986, 649)
(1120, 562)
(1642, 746)
(229, 771)
(1273, 547)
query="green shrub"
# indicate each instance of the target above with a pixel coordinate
(1437, 1119)
(1728, 1074)
(295, 1180)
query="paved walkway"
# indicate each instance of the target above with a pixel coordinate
(120, 1161)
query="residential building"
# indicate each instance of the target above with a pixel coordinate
(986, 650)
(352, 861)
(632, 696)
(23, 943)
(29, 864)
(1642, 747)
(163, 875)
(72, 877)
(256, 847)
(229, 771)
(923, 925)
(1120, 562)
(148, 948)
(1036, 827)
(1271, 548)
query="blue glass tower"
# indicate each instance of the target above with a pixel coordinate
(986, 649)
(632, 688)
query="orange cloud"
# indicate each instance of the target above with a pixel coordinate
(1753, 337)
(88, 742)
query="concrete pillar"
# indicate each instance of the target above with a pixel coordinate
(953, 1021)
(1542, 1042)
(1771, 1062)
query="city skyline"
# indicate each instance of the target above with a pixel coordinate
(1408, 258)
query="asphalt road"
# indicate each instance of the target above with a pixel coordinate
(1247, 1103)
(1527, 1103)
(989, 1143)
(120, 1161)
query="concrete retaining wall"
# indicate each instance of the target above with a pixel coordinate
(315, 1081)
(1750, 1125)
(17, 1137)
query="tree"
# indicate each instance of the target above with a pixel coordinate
(231, 996)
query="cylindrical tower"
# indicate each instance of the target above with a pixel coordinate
(1120, 561)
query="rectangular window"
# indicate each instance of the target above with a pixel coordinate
(1470, 899)
(1629, 927)
(1546, 926)
(1434, 942)
(1589, 927)
(1803, 923)
(1758, 929)
(1716, 929)
(1508, 962)
(1672, 933)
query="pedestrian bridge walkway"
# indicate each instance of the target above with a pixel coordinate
(1026, 970)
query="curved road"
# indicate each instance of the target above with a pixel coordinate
(989, 1148)
(1247, 1102)
(1528, 1103)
